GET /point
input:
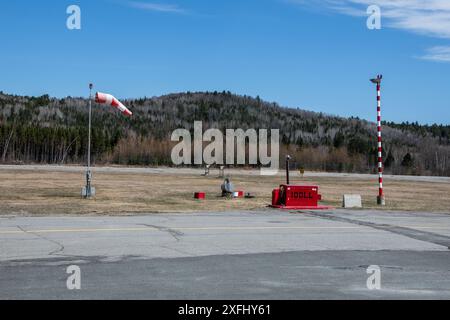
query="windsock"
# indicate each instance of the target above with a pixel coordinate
(104, 98)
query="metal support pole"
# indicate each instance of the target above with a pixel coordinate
(288, 157)
(89, 191)
(380, 199)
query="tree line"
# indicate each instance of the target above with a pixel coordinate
(49, 130)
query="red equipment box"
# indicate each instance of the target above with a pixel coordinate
(200, 195)
(297, 197)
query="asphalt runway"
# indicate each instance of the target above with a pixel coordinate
(265, 254)
(214, 170)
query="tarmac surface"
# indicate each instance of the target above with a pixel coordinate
(266, 254)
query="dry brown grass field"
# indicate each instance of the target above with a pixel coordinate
(40, 192)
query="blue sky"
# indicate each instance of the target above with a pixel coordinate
(315, 55)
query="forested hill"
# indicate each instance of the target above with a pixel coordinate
(49, 130)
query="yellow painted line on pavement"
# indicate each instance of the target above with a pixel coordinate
(166, 228)
(231, 228)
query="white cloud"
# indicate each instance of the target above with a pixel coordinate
(425, 17)
(169, 8)
(431, 17)
(440, 54)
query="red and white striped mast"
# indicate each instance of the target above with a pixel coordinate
(380, 199)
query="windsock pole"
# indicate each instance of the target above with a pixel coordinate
(87, 192)
(380, 199)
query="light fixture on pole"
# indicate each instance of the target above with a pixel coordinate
(380, 199)
(288, 158)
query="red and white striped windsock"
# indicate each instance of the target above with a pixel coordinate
(104, 98)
